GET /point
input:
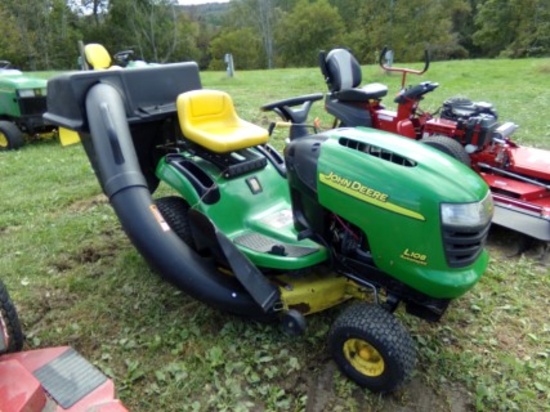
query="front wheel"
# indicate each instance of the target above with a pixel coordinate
(11, 137)
(11, 335)
(372, 347)
(449, 146)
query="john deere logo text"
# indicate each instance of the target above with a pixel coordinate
(356, 186)
(414, 257)
(366, 194)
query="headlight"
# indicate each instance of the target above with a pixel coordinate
(25, 92)
(469, 215)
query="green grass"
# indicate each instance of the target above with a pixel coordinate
(519, 89)
(76, 279)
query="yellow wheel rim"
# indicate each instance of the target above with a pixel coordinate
(3, 140)
(364, 357)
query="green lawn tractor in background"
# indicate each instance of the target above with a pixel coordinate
(350, 214)
(22, 104)
(94, 56)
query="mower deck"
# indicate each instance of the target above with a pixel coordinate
(530, 161)
(522, 207)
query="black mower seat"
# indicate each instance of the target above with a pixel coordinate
(364, 94)
(208, 118)
(343, 76)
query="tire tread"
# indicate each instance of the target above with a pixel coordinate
(382, 327)
(9, 315)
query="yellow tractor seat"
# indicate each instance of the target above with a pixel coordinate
(208, 118)
(98, 57)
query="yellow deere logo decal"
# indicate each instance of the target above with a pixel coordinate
(366, 194)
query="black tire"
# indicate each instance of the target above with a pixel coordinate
(175, 210)
(372, 347)
(449, 146)
(11, 137)
(10, 327)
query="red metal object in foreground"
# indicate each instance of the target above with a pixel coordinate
(70, 379)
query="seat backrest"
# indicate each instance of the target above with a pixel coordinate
(97, 56)
(208, 106)
(341, 69)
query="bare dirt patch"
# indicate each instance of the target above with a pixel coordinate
(416, 396)
(86, 204)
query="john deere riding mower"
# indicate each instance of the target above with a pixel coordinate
(22, 104)
(348, 214)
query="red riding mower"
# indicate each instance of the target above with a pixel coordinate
(519, 177)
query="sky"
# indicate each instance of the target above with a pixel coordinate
(189, 2)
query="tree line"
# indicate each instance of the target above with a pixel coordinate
(43, 34)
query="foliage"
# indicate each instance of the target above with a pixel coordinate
(262, 18)
(43, 34)
(149, 27)
(60, 36)
(513, 28)
(391, 24)
(308, 28)
(243, 44)
(9, 40)
(43, 31)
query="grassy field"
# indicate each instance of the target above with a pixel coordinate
(76, 279)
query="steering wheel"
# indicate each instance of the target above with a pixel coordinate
(416, 92)
(296, 116)
(293, 101)
(123, 56)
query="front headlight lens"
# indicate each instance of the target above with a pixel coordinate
(25, 92)
(468, 214)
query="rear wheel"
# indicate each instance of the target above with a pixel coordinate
(175, 210)
(449, 146)
(11, 137)
(11, 335)
(372, 347)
